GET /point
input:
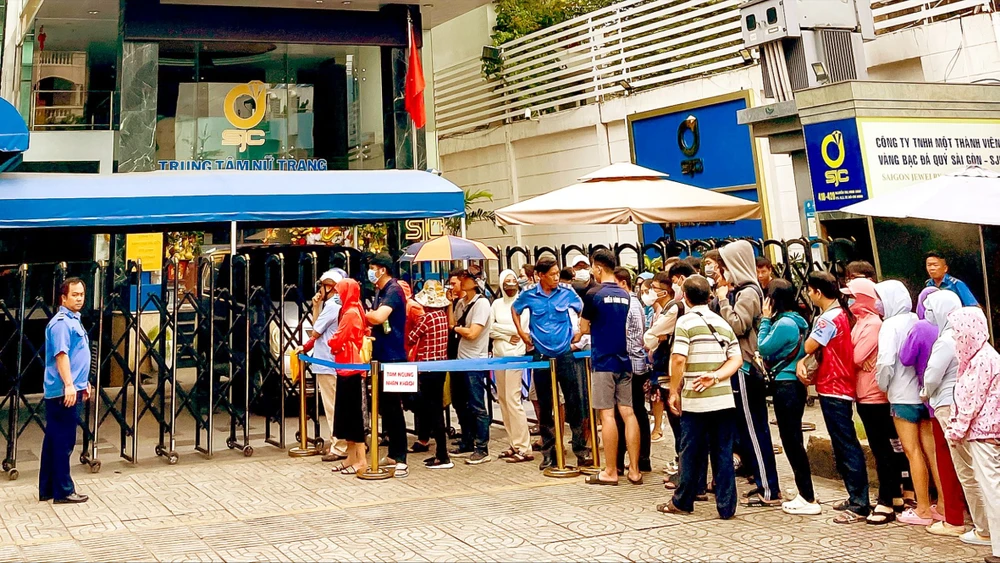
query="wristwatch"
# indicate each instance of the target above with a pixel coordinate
(716, 378)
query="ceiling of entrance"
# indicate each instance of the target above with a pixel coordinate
(434, 11)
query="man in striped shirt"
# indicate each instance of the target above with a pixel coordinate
(706, 354)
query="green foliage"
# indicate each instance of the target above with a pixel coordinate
(517, 18)
(474, 213)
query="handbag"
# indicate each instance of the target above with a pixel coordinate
(366, 350)
(770, 373)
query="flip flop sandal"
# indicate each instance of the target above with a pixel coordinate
(841, 505)
(808, 426)
(596, 480)
(879, 518)
(340, 467)
(349, 470)
(509, 452)
(519, 458)
(759, 502)
(848, 517)
(752, 493)
(635, 481)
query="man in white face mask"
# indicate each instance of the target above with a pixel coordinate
(583, 281)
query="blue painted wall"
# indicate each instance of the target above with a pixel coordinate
(723, 155)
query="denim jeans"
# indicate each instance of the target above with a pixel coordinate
(848, 455)
(473, 416)
(708, 434)
(789, 404)
(568, 379)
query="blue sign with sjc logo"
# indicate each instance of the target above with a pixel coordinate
(701, 146)
(835, 164)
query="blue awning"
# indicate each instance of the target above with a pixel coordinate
(13, 136)
(188, 197)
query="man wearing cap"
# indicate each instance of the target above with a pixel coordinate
(583, 281)
(326, 311)
(388, 320)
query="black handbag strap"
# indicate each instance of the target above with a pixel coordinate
(722, 343)
(787, 360)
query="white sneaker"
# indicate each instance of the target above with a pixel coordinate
(973, 537)
(799, 506)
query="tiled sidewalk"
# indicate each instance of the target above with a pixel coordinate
(274, 508)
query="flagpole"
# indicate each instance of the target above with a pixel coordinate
(413, 124)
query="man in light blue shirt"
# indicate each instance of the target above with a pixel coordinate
(937, 269)
(66, 386)
(550, 336)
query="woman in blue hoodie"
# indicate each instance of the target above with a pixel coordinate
(780, 343)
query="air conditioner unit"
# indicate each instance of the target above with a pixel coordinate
(806, 43)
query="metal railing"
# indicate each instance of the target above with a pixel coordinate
(631, 45)
(77, 110)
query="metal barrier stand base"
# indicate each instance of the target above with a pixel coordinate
(562, 473)
(377, 474)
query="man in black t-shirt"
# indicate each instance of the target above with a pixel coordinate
(388, 320)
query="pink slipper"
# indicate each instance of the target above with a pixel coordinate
(910, 516)
(935, 514)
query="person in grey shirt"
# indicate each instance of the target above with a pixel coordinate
(471, 322)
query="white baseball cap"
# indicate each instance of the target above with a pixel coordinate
(331, 275)
(576, 259)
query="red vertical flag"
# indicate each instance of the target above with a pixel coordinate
(415, 84)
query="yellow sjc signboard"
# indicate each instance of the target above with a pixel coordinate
(146, 248)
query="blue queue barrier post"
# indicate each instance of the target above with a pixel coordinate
(304, 450)
(560, 471)
(594, 449)
(374, 472)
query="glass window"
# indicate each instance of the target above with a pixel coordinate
(751, 22)
(259, 105)
(772, 16)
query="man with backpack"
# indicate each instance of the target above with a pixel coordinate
(740, 303)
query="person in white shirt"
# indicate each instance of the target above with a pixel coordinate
(326, 311)
(507, 343)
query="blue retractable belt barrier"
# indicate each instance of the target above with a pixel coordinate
(474, 364)
(332, 365)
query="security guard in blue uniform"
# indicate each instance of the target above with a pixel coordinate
(67, 370)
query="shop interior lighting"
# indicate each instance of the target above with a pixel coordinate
(820, 71)
(94, 12)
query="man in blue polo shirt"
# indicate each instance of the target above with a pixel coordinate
(551, 334)
(66, 386)
(605, 316)
(937, 269)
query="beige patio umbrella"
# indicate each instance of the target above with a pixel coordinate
(625, 193)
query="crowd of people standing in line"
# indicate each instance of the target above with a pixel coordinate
(706, 342)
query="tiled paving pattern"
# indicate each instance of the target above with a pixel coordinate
(274, 508)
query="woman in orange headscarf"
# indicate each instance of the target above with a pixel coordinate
(345, 345)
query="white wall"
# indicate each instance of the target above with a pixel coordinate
(959, 50)
(73, 146)
(12, 37)
(527, 158)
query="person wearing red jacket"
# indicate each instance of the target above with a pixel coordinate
(836, 383)
(345, 345)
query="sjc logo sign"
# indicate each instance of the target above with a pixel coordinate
(834, 159)
(835, 164)
(245, 106)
